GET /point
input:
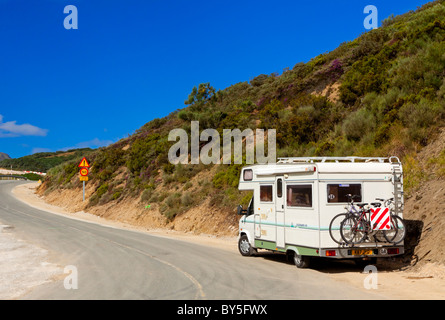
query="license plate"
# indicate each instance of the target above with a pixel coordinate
(362, 252)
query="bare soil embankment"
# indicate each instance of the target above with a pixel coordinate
(425, 206)
(201, 219)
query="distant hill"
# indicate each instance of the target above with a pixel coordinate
(4, 156)
(42, 162)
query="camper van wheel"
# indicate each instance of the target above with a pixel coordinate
(301, 261)
(244, 246)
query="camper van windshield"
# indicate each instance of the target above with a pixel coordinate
(250, 207)
(337, 192)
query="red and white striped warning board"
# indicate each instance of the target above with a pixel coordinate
(380, 218)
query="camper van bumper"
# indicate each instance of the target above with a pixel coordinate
(361, 252)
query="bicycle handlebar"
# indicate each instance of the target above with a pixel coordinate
(352, 197)
(387, 201)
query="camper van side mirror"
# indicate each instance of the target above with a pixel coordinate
(241, 211)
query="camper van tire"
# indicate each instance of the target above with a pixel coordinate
(301, 262)
(244, 246)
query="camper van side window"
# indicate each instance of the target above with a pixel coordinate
(337, 192)
(266, 193)
(299, 196)
(248, 175)
(279, 188)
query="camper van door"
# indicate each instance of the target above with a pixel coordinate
(279, 212)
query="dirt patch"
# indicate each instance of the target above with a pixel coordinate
(426, 283)
(331, 91)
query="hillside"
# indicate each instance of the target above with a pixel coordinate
(382, 94)
(4, 156)
(43, 161)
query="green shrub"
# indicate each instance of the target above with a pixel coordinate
(227, 176)
(168, 168)
(358, 123)
(171, 213)
(382, 134)
(424, 70)
(146, 195)
(186, 199)
(441, 92)
(419, 118)
(117, 194)
(102, 190)
(173, 200)
(187, 185)
(413, 174)
(439, 162)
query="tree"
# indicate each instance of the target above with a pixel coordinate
(200, 96)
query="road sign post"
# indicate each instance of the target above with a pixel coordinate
(84, 165)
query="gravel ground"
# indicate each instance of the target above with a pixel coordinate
(22, 265)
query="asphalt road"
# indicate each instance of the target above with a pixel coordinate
(121, 264)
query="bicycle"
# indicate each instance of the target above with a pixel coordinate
(355, 228)
(335, 224)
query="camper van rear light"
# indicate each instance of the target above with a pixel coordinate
(331, 253)
(393, 251)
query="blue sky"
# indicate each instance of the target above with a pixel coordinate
(132, 61)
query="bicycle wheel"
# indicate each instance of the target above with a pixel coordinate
(398, 230)
(353, 230)
(379, 236)
(334, 228)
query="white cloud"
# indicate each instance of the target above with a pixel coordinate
(38, 150)
(12, 129)
(95, 143)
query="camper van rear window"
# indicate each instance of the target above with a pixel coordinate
(266, 193)
(337, 192)
(248, 175)
(299, 196)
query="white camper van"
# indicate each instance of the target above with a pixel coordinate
(295, 200)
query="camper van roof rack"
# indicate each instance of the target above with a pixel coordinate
(338, 159)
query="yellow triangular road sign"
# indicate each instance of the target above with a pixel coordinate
(84, 163)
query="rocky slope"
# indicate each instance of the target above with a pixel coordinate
(4, 156)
